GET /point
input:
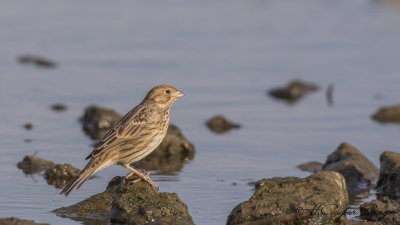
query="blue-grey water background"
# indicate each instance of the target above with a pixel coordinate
(224, 55)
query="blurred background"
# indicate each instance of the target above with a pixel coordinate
(225, 56)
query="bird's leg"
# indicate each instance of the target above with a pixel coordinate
(145, 177)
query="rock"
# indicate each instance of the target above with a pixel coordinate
(58, 107)
(97, 206)
(318, 199)
(61, 174)
(28, 126)
(385, 211)
(16, 221)
(388, 114)
(141, 203)
(362, 222)
(98, 120)
(294, 91)
(169, 220)
(33, 164)
(170, 156)
(357, 169)
(219, 124)
(37, 60)
(312, 167)
(389, 175)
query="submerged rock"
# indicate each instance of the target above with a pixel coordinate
(16, 221)
(37, 60)
(389, 175)
(357, 169)
(61, 174)
(318, 199)
(219, 124)
(141, 203)
(32, 164)
(385, 211)
(312, 167)
(293, 91)
(28, 126)
(98, 120)
(58, 107)
(388, 114)
(171, 220)
(170, 156)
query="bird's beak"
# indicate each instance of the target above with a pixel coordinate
(178, 94)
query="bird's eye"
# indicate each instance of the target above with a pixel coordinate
(167, 91)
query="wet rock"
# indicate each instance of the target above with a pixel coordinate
(389, 175)
(170, 156)
(169, 220)
(357, 169)
(98, 120)
(58, 107)
(318, 199)
(219, 124)
(32, 164)
(61, 174)
(37, 60)
(362, 222)
(385, 211)
(16, 221)
(389, 114)
(96, 207)
(293, 91)
(28, 126)
(312, 167)
(141, 203)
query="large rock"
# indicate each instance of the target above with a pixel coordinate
(96, 121)
(318, 199)
(388, 114)
(141, 203)
(357, 169)
(389, 175)
(16, 221)
(293, 91)
(385, 211)
(61, 174)
(32, 164)
(218, 124)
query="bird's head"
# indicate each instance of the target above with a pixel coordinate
(163, 95)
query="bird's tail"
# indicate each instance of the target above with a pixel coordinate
(83, 176)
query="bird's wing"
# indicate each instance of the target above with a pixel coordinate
(126, 129)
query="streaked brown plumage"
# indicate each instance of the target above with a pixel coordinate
(138, 133)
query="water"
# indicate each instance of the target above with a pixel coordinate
(224, 56)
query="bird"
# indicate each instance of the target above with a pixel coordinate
(134, 137)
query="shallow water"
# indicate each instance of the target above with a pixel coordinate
(224, 56)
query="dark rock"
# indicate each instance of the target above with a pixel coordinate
(58, 107)
(389, 114)
(61, 174)
(389, 175)
(170, 156)
(33, 164)
(362, 222)
(28, 126)
(16, 221)
(37, 60)
(357, 169)
(386, 211)
(219, 124)
(140, 203)
(318, 199)
(171, 220)
(98, 120)
(294, 91)
(312, 167)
